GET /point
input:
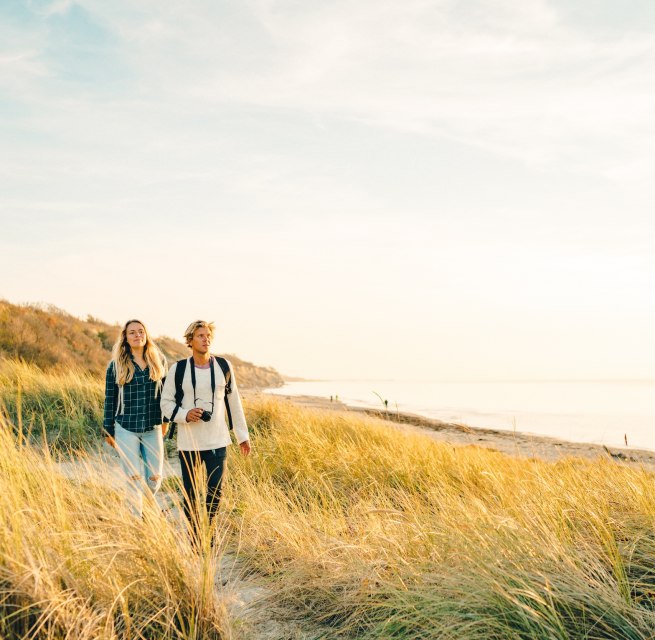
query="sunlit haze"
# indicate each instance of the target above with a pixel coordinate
(375, 189)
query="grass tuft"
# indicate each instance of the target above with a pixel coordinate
(65, 406)
(378, 534)
(364, 530)
(75, 563)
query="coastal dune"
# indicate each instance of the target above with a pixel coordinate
(340, 524)
(375, 533)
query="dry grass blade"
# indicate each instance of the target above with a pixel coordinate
(75, 563)
(376, 534)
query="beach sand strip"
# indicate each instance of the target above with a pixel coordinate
(508, 442)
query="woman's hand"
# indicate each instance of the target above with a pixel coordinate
(110, 441)
(164, 429)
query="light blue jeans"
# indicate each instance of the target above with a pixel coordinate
(142, 459)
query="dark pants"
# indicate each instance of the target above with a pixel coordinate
(192, 463)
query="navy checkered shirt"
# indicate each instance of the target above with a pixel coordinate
(140, 410)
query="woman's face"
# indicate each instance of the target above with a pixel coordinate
(136, 335)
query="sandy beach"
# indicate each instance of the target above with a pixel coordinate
(512, 443)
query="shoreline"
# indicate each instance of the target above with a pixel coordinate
(509, 442)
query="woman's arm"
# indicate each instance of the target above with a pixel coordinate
(111, 398)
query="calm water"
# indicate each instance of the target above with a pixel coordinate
(599, 412)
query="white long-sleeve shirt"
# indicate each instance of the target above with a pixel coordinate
(201, 436)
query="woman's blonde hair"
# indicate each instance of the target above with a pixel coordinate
(194, 326)
(122, 357)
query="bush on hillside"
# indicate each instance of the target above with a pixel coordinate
(50, 338)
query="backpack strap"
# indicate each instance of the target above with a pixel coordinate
(225, 368)
(227, 372)
(180, 368)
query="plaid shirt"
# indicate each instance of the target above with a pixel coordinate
(139, 411)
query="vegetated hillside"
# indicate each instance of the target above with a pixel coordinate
(53, 339)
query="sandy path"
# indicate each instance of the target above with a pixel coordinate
(246, 595)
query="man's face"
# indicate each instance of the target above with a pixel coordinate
(136, 335)
(202, 340)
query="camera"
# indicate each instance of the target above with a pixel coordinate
(206, 416)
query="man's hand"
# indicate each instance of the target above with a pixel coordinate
(194, 415)
(245, 447)
(110, 441)
(164, 429)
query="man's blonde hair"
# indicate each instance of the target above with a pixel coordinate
(197, 324)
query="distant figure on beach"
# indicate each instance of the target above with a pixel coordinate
(386, 405)
(196, 395)
(132, 419)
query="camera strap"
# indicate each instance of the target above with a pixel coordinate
(193, 379)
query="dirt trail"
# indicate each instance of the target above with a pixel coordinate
(251, 603)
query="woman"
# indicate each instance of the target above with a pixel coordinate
(132, 422)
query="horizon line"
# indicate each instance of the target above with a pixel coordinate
(471, 380)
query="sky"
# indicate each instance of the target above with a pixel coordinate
(428, 190)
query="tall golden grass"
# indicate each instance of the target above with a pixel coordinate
(68, 405)
(379, 534)
(366, 531)
(74, 563)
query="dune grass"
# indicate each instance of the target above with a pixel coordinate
(380, 534)
(366, 531)
(66, 405)
(74, 563)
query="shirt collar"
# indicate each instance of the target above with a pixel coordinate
(137, 368)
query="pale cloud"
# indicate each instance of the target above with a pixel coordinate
(343, 156)
(46, 8)
(21, 62)
(506, 77)
(538, 92)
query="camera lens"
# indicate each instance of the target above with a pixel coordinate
(206, 416)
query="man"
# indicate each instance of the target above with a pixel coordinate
(203, 434)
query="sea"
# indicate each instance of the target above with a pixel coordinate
(613, 413)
